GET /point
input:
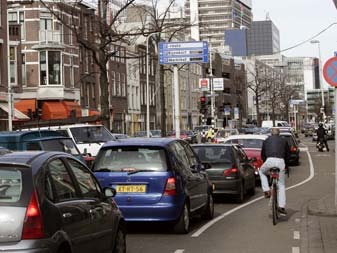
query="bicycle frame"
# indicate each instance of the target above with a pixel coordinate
(274, 177)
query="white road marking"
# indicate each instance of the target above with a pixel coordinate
(179, 251)
(212, 222)
(297, 235)
(295, 250)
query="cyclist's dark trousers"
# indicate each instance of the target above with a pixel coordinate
(268, 164)
(325, 143)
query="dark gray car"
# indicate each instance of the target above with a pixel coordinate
(51, 202)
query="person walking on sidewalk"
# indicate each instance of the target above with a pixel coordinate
(275, 153)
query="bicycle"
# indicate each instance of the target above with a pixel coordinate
(274, 177)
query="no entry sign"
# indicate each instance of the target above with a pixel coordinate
(330, 71)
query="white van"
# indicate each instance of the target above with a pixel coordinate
(278, 123)
(88, 138)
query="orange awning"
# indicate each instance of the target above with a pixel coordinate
(94, 113)
(70, 105)
(25, 104)
(54, 110)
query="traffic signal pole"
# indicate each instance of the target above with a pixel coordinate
(212, 88)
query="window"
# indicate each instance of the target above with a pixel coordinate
(87, 183)
(50, 68)
(61, 180)
(113, 83)
(72, 71)
(118, 83)
(13, 67)
(123, 84)
(22, 25)
(10, 185)
(24, 77)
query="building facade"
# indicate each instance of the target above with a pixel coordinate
(211, 18)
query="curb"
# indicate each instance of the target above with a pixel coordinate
(324, 207)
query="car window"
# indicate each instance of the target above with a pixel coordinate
(214, 154)
(61, 180)
(289, 140)
(87, 183)
(138, 158)
(62, 145)
(10, 185)
(247, 143)
(63, 132)
(242, 155)
(33, 146)
(181, 154)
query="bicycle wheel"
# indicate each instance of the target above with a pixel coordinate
(274, 204)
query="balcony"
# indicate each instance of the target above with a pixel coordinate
(49, 39)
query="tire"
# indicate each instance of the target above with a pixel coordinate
(208, 213)
(183, 223)
(241, 195)
(120, 243)
(274, 206)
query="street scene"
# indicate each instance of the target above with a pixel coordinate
(168, 126)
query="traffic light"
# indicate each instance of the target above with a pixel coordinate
(203, 106)
(38, 113)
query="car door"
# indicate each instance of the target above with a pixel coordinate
(61, 189)
(101, 212)
(196, 167)
(246, 167)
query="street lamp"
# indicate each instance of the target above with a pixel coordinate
(320, 74)
(147, 85)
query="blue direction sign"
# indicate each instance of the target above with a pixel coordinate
(183, 52)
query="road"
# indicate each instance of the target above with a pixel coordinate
(248, 228)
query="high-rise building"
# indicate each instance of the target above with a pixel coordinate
(263, 38)
(210, 18)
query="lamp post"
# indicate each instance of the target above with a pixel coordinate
(9, 91)
(320, 74)
(147, 85)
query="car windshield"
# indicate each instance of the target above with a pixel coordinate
(131, 159)
(10, 185)
(62, 145)
(247, 143)
(214, 154)
(91, 134)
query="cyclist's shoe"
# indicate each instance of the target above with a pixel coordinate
(267, 194)
(282, 211)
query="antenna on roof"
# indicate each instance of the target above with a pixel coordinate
(267, 16)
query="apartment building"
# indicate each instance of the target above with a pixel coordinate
(210, 18)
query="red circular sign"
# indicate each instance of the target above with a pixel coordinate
(330, 71)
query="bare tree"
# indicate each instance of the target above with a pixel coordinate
(108, 32)
(287, 93)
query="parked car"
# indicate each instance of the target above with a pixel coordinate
(186, 135)
(141, 134)
(231, 170)
(294, 149)
(155, 133)
(156, 179)
(51, 202)
(252, 145)
(223, 133)
(119, 136)
(202, 130)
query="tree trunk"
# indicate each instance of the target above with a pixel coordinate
(258, 116)
(105, 111)
(162, 101)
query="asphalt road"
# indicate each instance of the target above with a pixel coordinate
(247, 227)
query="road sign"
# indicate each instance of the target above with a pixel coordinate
(227, 111)
(330, 71)
(236, 113)
(218, 84)
(183, 52)
(204, 84)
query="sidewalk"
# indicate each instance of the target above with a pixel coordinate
(319, 226)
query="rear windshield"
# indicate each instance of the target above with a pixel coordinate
(215, 154)
(131, 159)
(247, 143)
(289, 140)
(10, 185)
(62, 145)
(91, 134)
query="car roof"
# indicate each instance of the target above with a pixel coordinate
(247, 136)
(162, 142)
(212, 145)
(33, 159)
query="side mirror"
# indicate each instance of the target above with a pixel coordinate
(109, 192)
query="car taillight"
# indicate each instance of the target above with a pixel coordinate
(215, 140)
(170, 188)
(33, 225)
(231, 173)
(293, 149)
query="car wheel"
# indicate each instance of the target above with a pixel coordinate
(241, 193)
(120, 243)
(183, 224)
(208, 213)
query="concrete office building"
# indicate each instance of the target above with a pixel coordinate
(263, 38)
(210, 18)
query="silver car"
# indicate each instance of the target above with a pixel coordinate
(51, 202)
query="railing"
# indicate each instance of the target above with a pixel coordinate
(50, 36)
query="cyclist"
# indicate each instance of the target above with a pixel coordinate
(275, 153)
(322, 135)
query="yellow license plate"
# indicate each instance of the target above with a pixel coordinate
(131, 188)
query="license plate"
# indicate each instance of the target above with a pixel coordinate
(131, 188)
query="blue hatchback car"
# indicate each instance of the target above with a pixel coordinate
(156, 179)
